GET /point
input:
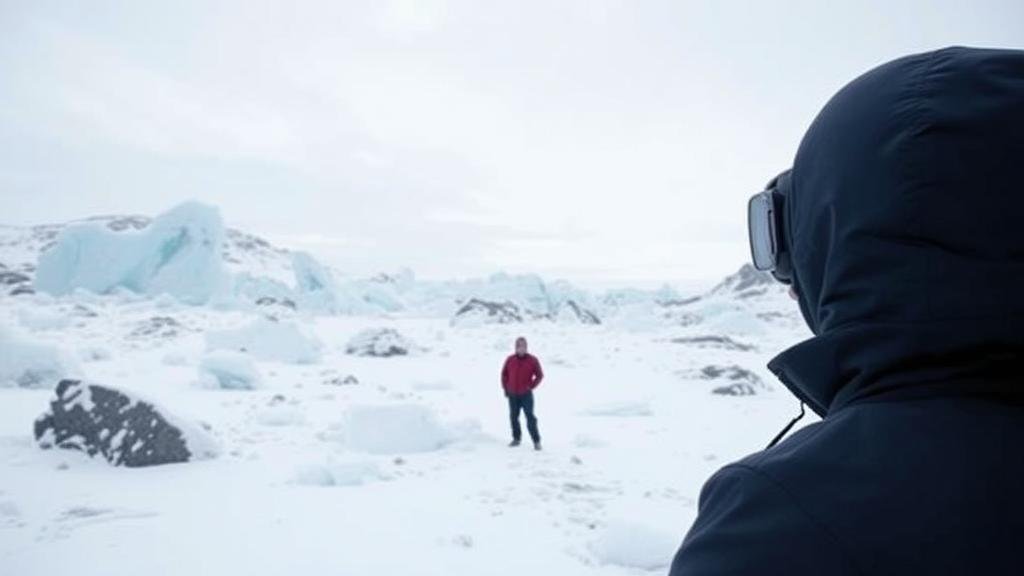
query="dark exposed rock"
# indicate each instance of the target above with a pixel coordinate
(678, 302)
(9, 278)
(83, 311)
(735, 389)
(271, 301)
(489, 312)
(124, 430)
(738, 380)
(582, 314)
(22, 289)
(122, 223)
(721, 342)
(347, 380)
(157, 326)
(747, 282)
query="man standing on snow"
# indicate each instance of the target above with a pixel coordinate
(899, 230)
(519, 376)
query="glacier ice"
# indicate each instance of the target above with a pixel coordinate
(179, 254)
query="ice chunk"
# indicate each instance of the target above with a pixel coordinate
(229, 370)
(393, 429)
(266, 339)
(179, 254)
(29, 364)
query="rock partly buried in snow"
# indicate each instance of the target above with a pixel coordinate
(570, 310)
(22, 289)
(721, 342)
(741, 382)
(123, 429)
(346, 380)
(747, 282)
(10, 278)
(479, 312)
(267, 339)
(272, 301)
(157, 327)
(380, 343)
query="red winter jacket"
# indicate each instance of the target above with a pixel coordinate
(521, 374)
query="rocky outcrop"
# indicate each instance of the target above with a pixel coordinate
(578, 313)
(747, 282)
(711, 341)
(14, 282)
(124, 430)
(736, 380)
(477, 311)
(380, 343)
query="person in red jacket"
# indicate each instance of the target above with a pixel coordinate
(519, 376)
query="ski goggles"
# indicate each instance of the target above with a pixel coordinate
(769, 241)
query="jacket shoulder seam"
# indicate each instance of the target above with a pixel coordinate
(819, 525)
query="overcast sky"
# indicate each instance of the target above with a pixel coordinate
(595, 141)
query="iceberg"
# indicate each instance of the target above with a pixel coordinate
(179, 254)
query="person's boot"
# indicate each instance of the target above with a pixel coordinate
(515, 442)
(536, 445)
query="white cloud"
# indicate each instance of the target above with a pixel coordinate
(590, 139)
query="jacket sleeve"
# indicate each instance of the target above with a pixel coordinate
(749, 524)
(538, 374)
(504, 375)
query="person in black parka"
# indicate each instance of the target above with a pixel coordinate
(905, 217)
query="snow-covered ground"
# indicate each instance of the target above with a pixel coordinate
(337, 459)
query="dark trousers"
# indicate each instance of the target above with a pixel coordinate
(524, 403)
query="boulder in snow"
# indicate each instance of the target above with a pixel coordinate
(712, 341)
(123, 429)
(738, 380)
(157, 327)
(380, 343)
